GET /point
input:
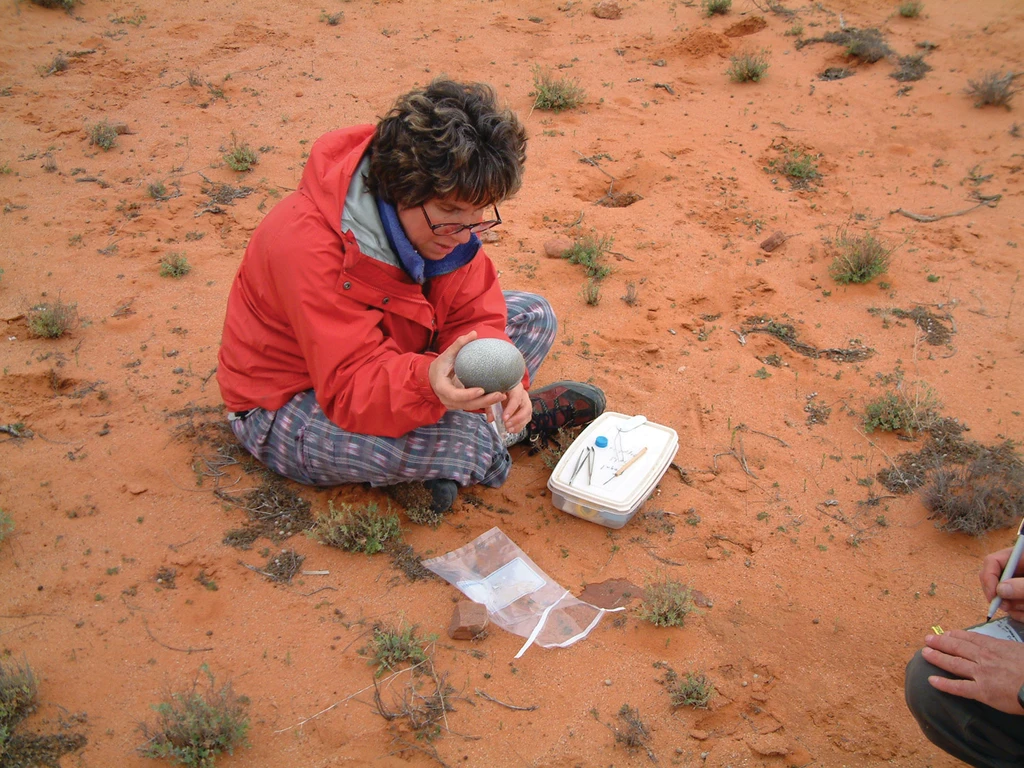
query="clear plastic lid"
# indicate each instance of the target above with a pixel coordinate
(621, 474)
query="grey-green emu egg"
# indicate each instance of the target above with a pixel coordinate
(493, 364)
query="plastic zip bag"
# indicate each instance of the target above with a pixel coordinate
(519, 597)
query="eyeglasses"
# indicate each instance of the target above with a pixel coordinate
(454, 228)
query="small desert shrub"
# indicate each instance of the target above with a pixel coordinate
(17, 697)
(868, 45)
(716, 7)
(666, 603)
(588, 251)
(773, 6)
(60, 63)
(993, 88)
(911, 68)
(390, 647)
(51, 320)
(692, 690)
(193, 727)
(103, 135)
(6, 526)
(174, 265)
(194, 79)
(631, 297)
(591, 292)
(983, 495)
(906, 410)
(796, 165)
(795, 31)
(332, 19)
(858, 259)
(420, 709)
(748, 67)
(67, 5)
(417, 501)
(869, 48)
(157, 190)
(635, 734)
(242, 157)
(555, 94)
(354, 529)
(910, 9)
(799, 165)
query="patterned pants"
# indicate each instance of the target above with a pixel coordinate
(301, 443)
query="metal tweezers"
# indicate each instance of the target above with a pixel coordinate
(586, 459)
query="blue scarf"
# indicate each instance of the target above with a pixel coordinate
(421, 269)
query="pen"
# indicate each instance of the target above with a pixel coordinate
(627, 465)
(1009, 570)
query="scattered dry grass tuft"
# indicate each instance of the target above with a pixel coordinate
(589, 252)
(716, 7)
(634, 734)
(66, 5)
(103, 135)
(555, 94)
(194, 727)
(858, 259)
(666, 603)
(420, 710)
(390, 647)
(907, 409)
(52, 320)
(994, 88)
(174, 265)
(694, 690)
(911, 68)
(910, 9)
(748, 67)
(983, 495)
(356, 529)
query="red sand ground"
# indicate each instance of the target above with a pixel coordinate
(812, 619)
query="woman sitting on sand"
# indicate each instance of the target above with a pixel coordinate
(357, 291)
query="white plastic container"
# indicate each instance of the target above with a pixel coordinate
(602, 496)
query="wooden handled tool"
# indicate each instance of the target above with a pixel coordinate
(627, 465)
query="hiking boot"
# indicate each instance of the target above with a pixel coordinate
(563, 405)
(424, 501)
(443, 493)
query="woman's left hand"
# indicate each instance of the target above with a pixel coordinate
(518, 410)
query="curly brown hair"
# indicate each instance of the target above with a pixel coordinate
(448, 140)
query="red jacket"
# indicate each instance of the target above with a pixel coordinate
(308, 310)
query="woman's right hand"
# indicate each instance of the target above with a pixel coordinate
(449, 389)
(1011, 591)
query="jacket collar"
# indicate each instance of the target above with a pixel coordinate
(421, 269)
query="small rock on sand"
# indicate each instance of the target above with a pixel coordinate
(607, 9)
(769, 744)
(774, 241)
(556, 248)
(468, 620)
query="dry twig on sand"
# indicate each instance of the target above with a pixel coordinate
(986, 200)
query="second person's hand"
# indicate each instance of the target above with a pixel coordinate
(1010, 591)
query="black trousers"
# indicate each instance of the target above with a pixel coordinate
(968, 730)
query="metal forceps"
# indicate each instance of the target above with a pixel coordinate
(585, 459)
